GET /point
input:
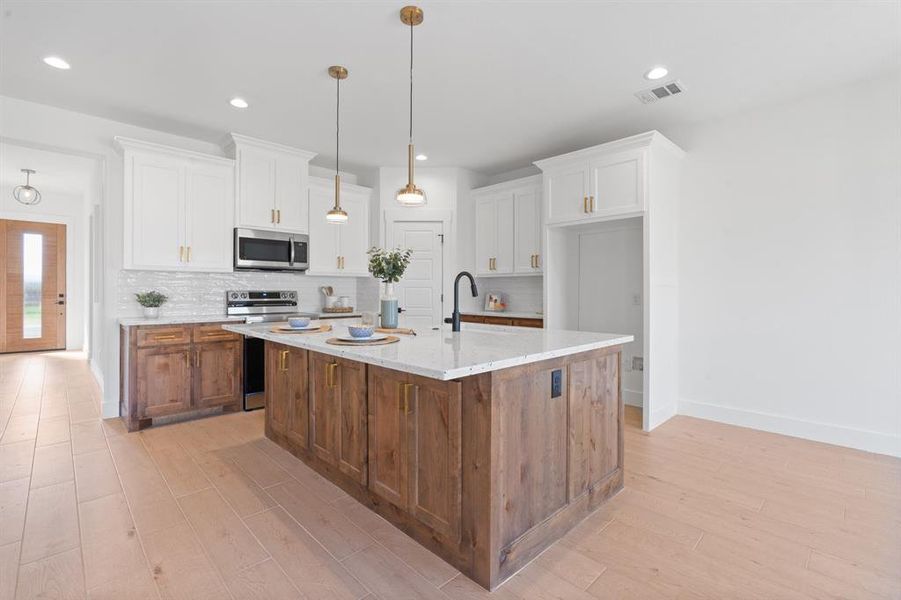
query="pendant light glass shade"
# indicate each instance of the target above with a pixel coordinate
(337, 215)
(410, 195)
(26, 194)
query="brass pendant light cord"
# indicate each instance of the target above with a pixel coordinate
(411, 82)
(337, 125)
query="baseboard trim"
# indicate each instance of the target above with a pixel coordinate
(98, 375)
(861, 439)
(633, 398)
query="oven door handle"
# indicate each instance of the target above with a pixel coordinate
(291, 251)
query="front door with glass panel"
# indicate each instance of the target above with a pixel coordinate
(32, 286)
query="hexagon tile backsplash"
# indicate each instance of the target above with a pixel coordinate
(193, 294)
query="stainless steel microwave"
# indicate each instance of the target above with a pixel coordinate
(259, 250)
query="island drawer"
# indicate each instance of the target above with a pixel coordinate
(164, 335)
(213, 332)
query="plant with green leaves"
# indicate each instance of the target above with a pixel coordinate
(388, 265)
(152, 299)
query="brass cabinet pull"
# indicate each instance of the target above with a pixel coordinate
(330, 371)
(537, 261)
(283, 360)
(403, 392)
(216, 335)
(189, 254)
(197, 358)
(165, 337)
(278, 215)
(338, 261)
(181, 254)
(584, 204)
(272, 215)
(591, 203)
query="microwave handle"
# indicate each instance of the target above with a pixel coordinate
(291, 251)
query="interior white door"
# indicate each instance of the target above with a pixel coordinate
(419, 291)
(290, 199)
(486, 235)
(209, 211)
(567, 189)
(158, 196)
(323, 235)
(526, 229)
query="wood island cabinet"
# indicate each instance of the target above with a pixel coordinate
(486, 471)
(168, 370)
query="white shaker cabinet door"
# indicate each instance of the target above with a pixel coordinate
(210, 215)
(567, 192)
(155, 211)
(504, 234)
(486, 235)
(290, 194)
(256, 188)
(527, 230)
(323, 235)
(354, 234)
(617, 183)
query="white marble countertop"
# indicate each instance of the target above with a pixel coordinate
(177, 320)
(442, 354)
(508, 314)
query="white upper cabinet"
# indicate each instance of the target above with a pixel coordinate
(178, 209)
(527, 230)
(507, 228)
(595, 183)
(271, 180)
(339, 249)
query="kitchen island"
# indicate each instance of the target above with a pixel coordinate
(485, 445)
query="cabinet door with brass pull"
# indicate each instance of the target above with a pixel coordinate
(217, 373)
(287, 393)
(338, 413)
(617, 183)
(163, 380)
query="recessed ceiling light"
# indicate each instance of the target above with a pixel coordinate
(238, 102)
(657, 72)
(422, 157)
(57, 63)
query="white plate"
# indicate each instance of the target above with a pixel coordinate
(375, 337)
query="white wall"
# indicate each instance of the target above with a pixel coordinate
(790, 268)
(70, 210)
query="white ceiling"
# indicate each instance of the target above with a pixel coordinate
(498, 84)
(57, 172)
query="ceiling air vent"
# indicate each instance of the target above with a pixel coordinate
(665, 90)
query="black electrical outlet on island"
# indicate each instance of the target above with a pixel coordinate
(556, 383)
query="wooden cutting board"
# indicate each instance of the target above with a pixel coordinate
(388, 340)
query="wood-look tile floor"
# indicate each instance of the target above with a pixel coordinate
(211, 509)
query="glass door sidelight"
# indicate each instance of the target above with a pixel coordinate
(32, 286)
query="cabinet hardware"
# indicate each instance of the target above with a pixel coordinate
(278, 215)
(338, 261)
(197, 358)
(537, 261)
(283, 360)
(405, 396)
(330, 371)
(584, 204)
(164, 337)
(189, 254)
(216, 335)
(181, 254)
(533, 261)
(591, 203)
(272, 215)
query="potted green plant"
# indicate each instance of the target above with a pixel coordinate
(388, 266)
(151, 301)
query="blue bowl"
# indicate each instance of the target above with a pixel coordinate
(360, 332)
(298, 322)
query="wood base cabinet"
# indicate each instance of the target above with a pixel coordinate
(485, 471)
(174, 369)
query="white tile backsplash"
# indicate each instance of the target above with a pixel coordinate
(204, 293)
(524, 294)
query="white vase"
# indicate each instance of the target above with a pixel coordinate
(151, 312)
(388, 307)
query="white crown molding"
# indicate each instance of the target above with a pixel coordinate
(641, 140)
(132, 144)
(235, 139)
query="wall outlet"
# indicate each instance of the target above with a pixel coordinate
(636, 299)
(556, 383)
(638, 363)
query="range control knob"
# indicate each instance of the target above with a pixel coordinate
(292, 295)
(233, 295)
(244, 295)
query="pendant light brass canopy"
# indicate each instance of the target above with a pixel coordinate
(337, 215)
(410, 195)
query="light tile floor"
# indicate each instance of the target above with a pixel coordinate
(211, 509)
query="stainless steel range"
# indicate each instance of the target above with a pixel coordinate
(257, 307)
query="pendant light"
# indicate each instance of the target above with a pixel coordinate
(25, 194)
(337, 215)
(410, 195)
